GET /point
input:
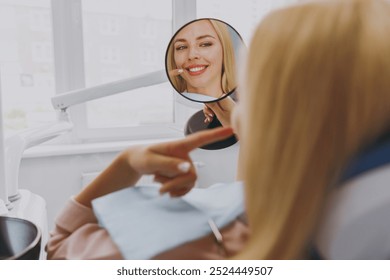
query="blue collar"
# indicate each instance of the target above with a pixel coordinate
(373, 156)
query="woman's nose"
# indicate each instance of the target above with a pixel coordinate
(193, 53)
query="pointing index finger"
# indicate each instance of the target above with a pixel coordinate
(205, 137)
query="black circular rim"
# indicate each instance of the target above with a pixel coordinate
(166, 60)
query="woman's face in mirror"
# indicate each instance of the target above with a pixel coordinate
(201, 60)
(197, 50)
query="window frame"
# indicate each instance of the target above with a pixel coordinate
(68, 49)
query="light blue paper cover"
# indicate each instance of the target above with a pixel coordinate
(143, 223)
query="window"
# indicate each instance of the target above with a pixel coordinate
(54, 46)
(242, 15)
(110, 55)
(41, 52)
(149, 29)
(124, 109)
(110, 25)
(26, 64)
(100, 41)
(124, 39)
(40, 20)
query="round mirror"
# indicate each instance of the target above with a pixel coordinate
(200, 60)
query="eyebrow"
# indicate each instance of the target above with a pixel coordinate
(197, 38)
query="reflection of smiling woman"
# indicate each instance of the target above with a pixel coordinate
(204, 51)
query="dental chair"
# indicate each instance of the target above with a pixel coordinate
(357, 220)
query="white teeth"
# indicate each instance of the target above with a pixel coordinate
(196, 69)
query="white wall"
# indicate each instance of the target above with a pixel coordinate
(56, 178)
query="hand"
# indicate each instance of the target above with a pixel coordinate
(175, 72)
(170, 162)
(208, 113)
(222, 109)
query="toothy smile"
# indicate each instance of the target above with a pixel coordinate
(195, 70)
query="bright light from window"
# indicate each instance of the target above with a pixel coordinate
(124, 109)
(242, 15)
(26, 64)
(123, 39)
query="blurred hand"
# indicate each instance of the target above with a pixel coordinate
(175, 72)
(222, 109)
(170, 162)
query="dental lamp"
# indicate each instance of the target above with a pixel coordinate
(11, 150)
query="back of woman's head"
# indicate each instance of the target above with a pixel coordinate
(316, 90)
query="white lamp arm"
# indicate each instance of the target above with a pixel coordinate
(45, 133)
(65, 100)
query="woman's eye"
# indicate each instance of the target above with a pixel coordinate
(206, 44)
(181, 47)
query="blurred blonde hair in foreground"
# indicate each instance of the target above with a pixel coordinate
(316, 91)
